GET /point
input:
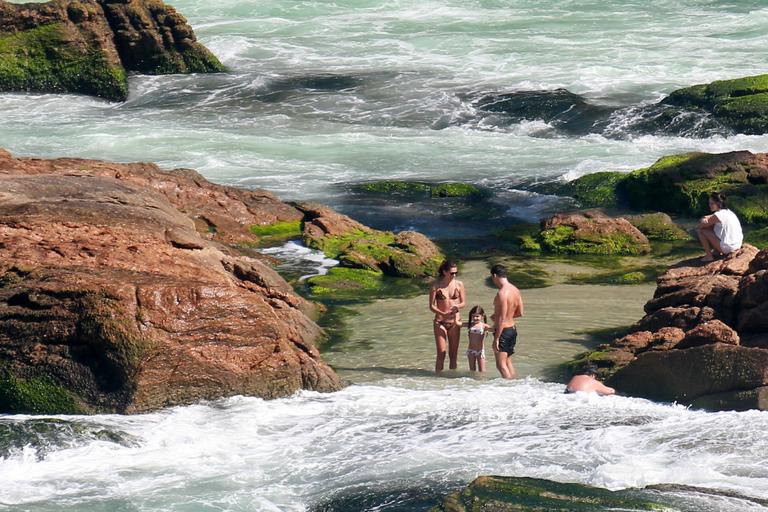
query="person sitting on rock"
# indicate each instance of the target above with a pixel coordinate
(586, 380)
(719, 233)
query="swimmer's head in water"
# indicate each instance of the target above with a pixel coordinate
(588, 369)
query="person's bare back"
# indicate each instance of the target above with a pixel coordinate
(586, 380)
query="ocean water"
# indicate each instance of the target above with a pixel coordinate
(322, 94)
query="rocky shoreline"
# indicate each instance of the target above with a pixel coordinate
(126, 288)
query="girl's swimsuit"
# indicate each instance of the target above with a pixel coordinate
(477, 353)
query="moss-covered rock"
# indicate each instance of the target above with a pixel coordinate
(422, 188)
(741, 104)
(590, 191)
(591, 233)
(42, 59)
(507, 494)
(36, 395)
(681, 184)
(277, 230)
(658, 226)
(757, 237)
(87, 46)
(405, 254)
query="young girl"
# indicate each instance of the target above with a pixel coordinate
(478, 328)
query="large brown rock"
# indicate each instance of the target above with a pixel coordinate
(87, 46)
(591, 232)
(682, 317)
(405, 254)
(708, 333)
(680, 348)
(685, 375)
(223, 214)
(112, 301)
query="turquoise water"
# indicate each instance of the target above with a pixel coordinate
(404, 66)
(319, 94)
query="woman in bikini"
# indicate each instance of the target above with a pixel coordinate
(446, 298)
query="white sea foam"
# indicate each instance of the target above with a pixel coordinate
(289, 453)
(293, 251)
(408, 119)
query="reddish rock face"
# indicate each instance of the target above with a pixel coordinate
(110, 294)
(218, 213)
(687, 347)
(708, 333)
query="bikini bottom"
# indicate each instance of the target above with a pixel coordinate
(476, 353)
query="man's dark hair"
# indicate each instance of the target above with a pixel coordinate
(587, 369)
(499, 270)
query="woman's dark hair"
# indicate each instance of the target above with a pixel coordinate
(446, 266)
(477, 310)
(718, 198)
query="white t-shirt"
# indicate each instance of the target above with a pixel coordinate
(728, 230)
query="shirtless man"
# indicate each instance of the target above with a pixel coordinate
(586, 380)
(507, 305)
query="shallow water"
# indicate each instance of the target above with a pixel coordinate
(393, 337)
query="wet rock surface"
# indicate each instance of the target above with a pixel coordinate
(703, 335)
(122, 290)
(88, 46)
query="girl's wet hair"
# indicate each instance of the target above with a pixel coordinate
(446, 266)
(477, 310)
(718, 198)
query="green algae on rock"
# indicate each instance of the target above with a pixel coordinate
(43, 59)
(36, 395)
(681, 184)
(741, 103)
(88, 46)
(423, 188)
(590, 191)
(591, 232)
(508, 494)
(405, 254)
(277, 230)
(658, 226)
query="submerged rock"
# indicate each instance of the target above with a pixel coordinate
(520, 494)
(121, 291)
(508, 494)
(88, 46)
